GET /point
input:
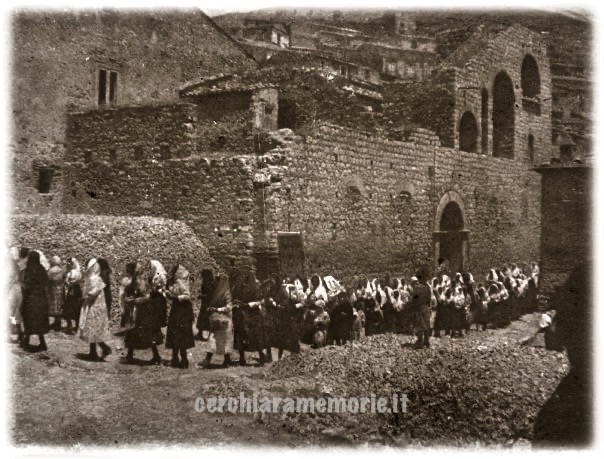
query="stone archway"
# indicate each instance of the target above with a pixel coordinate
(450, 235)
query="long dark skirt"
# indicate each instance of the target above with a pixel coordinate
(283, 327)
(35, 311)
(73, 303)
(374, 322)
(149, 320)
(180, 326)
(249, 329)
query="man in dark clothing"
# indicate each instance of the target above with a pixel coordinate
(420, 308)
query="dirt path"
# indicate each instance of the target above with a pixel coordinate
(59, 399)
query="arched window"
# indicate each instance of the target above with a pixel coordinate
(503, 116)
(484, 121)
(531, 85)
(468, 133)
(529, 76)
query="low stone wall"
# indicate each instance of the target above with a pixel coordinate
(117, 239)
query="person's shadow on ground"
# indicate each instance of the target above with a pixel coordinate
(565, 419)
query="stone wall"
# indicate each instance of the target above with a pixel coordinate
(566, 237)
(366, 204)
(117, 239)
(505, 53)
(56, 57)
(362, 203)
(213, 196)
(131, 133)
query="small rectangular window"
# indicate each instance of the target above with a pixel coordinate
(138, 152)
(102, 87)
(113, 88)
(88, 156)
(112, 154)
(164, 151)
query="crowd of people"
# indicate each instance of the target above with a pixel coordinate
(244, 315)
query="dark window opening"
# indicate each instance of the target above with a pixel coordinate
(566, 153)
(112, 154)
(87, 156)
(468, 133)
(371, 163)
(413, 44)
(92, 194)
(335, 157)
(503, 116)
(112, 88)
(353, 194)
(484, 121)
(138, 152)
(102, 87)
(268, 109)
(531, 85)
(529, 75)
(220, 142)
(45, 179)
(287, 114)
(531, 148)
(164, 151)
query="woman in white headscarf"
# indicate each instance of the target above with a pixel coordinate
(73, 295)
(94, 322)
(15, 299)
(56, 292)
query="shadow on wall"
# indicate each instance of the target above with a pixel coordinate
(566, 419)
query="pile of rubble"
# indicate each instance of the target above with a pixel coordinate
(460, 392)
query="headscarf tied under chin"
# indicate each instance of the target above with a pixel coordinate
(74, 274)
(158, 275)
(181, 284)
(92, 278)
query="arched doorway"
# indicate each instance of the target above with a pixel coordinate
(451, 235)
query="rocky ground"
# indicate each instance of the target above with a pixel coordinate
(484, 389)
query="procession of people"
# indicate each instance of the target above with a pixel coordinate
(240, 314)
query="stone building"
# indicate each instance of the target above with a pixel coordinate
(363, 203)
(566, 236)
(81, 60)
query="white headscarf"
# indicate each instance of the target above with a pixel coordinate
(43, 261)
(158, 274)
(92, 277)
(74, 274)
